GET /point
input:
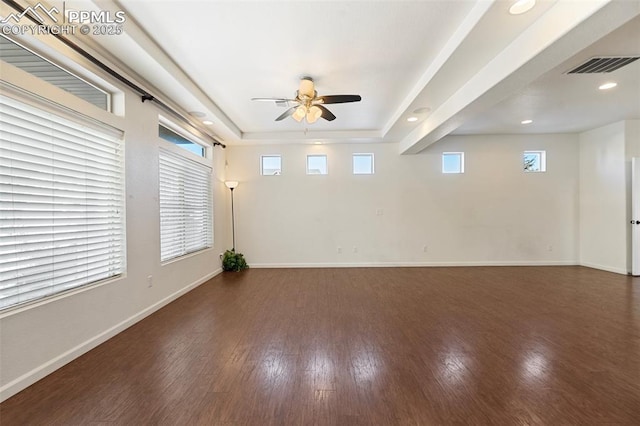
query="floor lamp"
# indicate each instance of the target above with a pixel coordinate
(232, 184)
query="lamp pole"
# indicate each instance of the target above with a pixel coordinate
(232, 184)
(233, 222)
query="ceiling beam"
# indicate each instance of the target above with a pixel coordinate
(461, 33)
(562, 31)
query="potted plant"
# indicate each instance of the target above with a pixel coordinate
(232, 261)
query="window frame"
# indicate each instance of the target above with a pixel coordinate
(177, 151)
(25, 87)
(360, 154)
(460, 154)
(108, 92)
(262, 157)
(326, 164)
(180, 132)
(542, 160)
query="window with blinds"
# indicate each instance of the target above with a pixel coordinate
(61, 202)
(185, 206)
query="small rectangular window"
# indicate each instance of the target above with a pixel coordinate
(179, 140)
(270, 165)
(362, 164)
(534, 161)
(317, 165)
(453, 162)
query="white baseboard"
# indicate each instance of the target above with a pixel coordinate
(418, 264)
(605, 268)
(27, 379)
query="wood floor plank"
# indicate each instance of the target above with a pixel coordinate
(358, 346)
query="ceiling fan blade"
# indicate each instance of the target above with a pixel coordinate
(287, 113)
(339, 99)
(273, 99)
(326, 114)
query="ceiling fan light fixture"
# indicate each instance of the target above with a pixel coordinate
(308, 105)
(299, 113)
(306, 88)
(313, 114)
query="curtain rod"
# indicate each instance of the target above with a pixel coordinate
(144, 95)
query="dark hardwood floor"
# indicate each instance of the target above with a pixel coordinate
(380, 346)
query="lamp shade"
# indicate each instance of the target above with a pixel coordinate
(313, 114)
(299, 113)
(231, 184)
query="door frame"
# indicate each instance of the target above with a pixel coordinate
(635, 216)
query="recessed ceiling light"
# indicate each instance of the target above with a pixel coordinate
(526, 122)
(317, 143)
(422, 110)
(207, 122)
(609, 85)
(521, 6)
(197, 114)
(412, 119)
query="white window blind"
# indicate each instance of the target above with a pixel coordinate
(185, 206)
(61, 203)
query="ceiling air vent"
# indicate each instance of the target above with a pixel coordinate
(598, 65)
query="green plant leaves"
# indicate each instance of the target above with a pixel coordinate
(232, 261)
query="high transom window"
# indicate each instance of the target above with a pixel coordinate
(35, 65)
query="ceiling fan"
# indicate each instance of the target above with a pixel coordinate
(308, 105)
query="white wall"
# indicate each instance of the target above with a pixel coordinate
(605, 194)
(494, 213)
(42, 337)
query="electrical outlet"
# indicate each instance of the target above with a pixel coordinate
(379, 212)
(150, 281)
(425, 249)
(339, 250)
(549, 247)
(355, 249)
